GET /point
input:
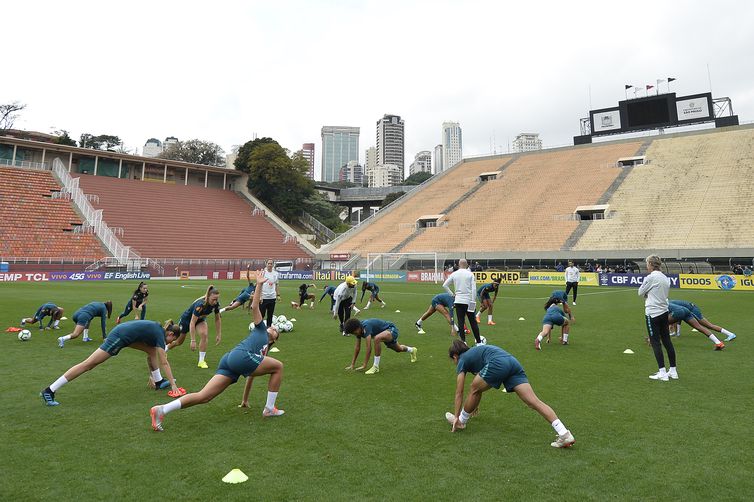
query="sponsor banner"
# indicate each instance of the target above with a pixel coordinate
(386, 276)
(426, 276)
(505, 277)
(692, 109)
(632, 280)
(587, 278)
(73, 276)
(606, 121)
(725, 282)
(331, 275)
(340, 256)
(298, 275)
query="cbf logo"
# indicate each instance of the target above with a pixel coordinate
(726, 282)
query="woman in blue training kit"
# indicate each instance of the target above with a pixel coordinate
(378, 331)
(374, 294)
(147, 336)
(83, 317)
(494, 367)
(193, 321)
(243, 297)
(137, 303)
(554, 316)
(249, 358)
(48, 309)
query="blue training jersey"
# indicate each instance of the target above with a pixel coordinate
(373, 327)
(256, 342)
(477, 357)
(679, 312)
(443, 299)
(148, 332)
(560, 295)
(95, 309)
(44, 311)
(200, 309)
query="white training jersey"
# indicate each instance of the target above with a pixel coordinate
(572, 274)
(269, 289)
(464, 285)
(655, 288)
(342, 292)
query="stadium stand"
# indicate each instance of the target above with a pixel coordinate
(391, 226)
(694, 192)
(176, 221)
(518, 209)
(35, 225)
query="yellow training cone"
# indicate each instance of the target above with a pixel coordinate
(521, 319)
(397, 311)
(292, 319)
(274, 349)
(235, 476)
(628, 351)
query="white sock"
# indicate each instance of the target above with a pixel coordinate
(714, 339)
(171, 406)
(58, 383)
(377, 361)
(560, 429)
(565, 337)
(86, 333)
(271, 397)
(409, 349)
(56, 323)
(222, 310)
(311, 304)
(66, 338)
(464, 417)
(368, 304)
(539, 337)
(166, 348)
(201, 356)
(156, 375)
(383, 303)
(725, 332)
(455, 328)
(419, 322)
(489, 318)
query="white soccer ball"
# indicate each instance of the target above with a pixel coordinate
(482, 341)
(24, 335)
(275, 320)
(288, 326)
(282, 319)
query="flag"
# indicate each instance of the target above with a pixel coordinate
(670, 79)
(650, 87)
(659, 80)
(628, 86)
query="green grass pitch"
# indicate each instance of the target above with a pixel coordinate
(348, 436)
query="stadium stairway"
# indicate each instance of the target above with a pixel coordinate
(176, 221)
(33, 224)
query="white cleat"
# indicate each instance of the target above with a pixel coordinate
(673, 375)
(450, 417)
(564, 441)
(274, 412)
(660, 375)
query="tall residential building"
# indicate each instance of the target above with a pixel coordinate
(452, 144)
(391, 141)
(352, 172)
(308, 152)
(153, 147)
(339, 146)
(527, 142)
(438, 160)
(385, 175)
(422, 163)
(370, 162)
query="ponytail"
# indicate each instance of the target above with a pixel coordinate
(211, 289)
(138, 288)
(552, 301)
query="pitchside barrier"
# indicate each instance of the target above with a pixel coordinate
(558, 278)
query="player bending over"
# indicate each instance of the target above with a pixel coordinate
(493, 367)
(194, 320)
(147, 336)
(83, 317)
(47, 309)
(243, 296)
(442, 303)
(377, 331)
(484, 297)
(680, 314)
(697, 313)
(248, 358)
(554, 316)
(304, 295)
(374, 294)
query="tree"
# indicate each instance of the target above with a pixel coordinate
(277, 179)
(195, 151)
(325, 211)
(63, 138)
(391, 197)
(417, 178)
(245, 150)
(9, 114)
(99, 142)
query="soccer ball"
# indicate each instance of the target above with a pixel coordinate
(482, 341)
(288, 326)
(24, 335)
(281, 319)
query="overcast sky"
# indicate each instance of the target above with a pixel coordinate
(225, 71)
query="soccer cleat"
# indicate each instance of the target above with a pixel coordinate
(345, 334)
(413, 355)
(537, 344)
(372, 370)
(23, 322)
(86, 339)
(56, 327)
(383, 305)
(450, 417)
(730, 338)
(157, 415)
(117, 320)
(466, 330)
(421, 332)
(162, 384)
(660, 375)
(202, 365)
(478, 319)
(719, 346)
(491, 323)
(222, 310)
(61, 342)
(574, 303)
(564, 441)
(48, 397)
(673, 374)
(274, 412)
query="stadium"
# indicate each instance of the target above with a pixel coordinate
(665, 175)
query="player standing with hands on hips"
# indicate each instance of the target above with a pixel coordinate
(572, 277)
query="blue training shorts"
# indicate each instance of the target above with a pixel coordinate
(504, 370)
(113, 344)
(237, 363)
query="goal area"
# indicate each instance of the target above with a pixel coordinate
(382, 266)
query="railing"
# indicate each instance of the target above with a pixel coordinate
(42, 166)
(323, 233)
(123, 254)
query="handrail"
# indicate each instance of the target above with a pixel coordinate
(317, 226)
(123, 254)
(42, 166)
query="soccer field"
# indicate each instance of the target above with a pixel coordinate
(349, 436)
